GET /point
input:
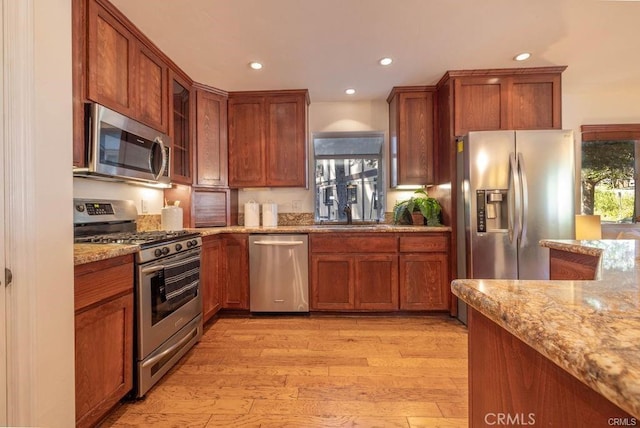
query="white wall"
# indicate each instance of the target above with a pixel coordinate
(53, 388)
(98, 189)
(596, 105)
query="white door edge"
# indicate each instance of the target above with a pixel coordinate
(18, 101)
(3, 300)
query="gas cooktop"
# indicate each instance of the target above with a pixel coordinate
(144, 239)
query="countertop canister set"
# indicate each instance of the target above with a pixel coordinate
(252, 214)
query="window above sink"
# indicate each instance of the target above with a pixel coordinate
(349, 176)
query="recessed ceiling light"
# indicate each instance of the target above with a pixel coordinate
(385, 61)
(350, 91)
(255, 65)
(522, 56)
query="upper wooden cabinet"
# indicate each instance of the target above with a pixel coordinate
(268, 138)
(494, 99)
(181, 107)
(411, 134)
(211, 137)
(110, 52)
(124, 74)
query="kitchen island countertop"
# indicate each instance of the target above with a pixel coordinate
(591, 329)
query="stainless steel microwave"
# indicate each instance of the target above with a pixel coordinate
(120, 148)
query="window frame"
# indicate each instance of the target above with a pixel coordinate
(381, 176)
(612, 132)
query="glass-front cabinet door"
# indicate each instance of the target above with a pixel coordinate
(180, 130)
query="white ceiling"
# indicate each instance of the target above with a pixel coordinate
(330, 45)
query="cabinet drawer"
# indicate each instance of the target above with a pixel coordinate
(354, 243)
(101, 280)
(424, 244)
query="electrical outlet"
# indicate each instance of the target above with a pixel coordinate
(295, 206)
(144, 206)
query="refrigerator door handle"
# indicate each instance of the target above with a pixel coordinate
(514, 199)
(524, 207)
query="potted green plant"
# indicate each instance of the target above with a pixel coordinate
(421, 203)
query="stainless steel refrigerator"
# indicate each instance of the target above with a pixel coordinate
(514, 189)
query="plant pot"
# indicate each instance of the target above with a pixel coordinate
(417, 218)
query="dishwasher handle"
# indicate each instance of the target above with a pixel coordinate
(280, 243)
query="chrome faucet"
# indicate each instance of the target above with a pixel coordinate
(347, 211)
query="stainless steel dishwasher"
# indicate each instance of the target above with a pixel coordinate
(278, 273)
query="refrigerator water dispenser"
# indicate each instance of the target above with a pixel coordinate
(492, 210)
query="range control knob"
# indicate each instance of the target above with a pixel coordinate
(189, 244)
(157, 252)
(178, 247)
(165, 250)
(194, 243)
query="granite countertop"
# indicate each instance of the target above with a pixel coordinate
(325, 228)
(591, 329)
(85, 253)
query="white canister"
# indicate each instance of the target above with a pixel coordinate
(171, 218)
(269, 214)
(251, 214)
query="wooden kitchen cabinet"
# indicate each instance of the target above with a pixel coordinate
(150, 88)
(211, 276)
(111, 49)
(424, 272)
(507, 375)
(535, 101)
(565, 265)
(122, 72)
(354, 272)
(268, 138)
(235, 256)
(103, 336)
(211, 137)
(412, 156)
(181, 108)
(204, 206)
(503, 99)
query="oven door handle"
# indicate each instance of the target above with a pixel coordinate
(152, 269)
(151, 361)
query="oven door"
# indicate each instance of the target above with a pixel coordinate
(168, 297)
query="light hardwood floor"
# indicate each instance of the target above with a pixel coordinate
(318, 371)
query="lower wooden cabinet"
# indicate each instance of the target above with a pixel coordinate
(103, 336)
(380, 272)
(211, 276)
(235, 259)
(424, 281)
(564, 265)
(509, 378)
(348, 282)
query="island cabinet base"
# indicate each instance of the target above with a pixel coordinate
(511, 384)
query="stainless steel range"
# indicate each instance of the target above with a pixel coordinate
(167, 291)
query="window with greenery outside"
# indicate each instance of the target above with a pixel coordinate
(608, 184)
